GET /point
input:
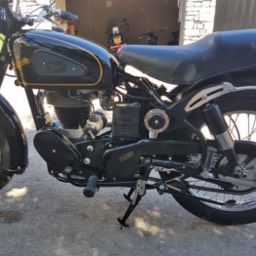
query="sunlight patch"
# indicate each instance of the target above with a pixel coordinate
(154, 213)
(144, 227)
(17, 192)
(218, 231)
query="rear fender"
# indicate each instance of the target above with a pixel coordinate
(13, 130)
(198, 98)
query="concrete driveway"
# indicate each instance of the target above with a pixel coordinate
(40, 216)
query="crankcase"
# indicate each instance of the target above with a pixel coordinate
(57, 150)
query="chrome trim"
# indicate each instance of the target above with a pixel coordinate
(241, 182)
(208, 94)
(72, 133)
(225, 141)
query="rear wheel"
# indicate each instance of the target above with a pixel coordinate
(239, 202)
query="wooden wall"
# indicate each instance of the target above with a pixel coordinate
(96, 16)
(235, 14)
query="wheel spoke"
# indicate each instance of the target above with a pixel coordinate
(242, 126)
(233, 127)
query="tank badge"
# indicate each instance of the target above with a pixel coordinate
(22, 63)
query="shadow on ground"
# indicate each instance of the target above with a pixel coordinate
(41, 216)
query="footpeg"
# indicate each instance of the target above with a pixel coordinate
(92, 185)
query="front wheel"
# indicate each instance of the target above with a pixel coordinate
(240, 115)
(4, 159)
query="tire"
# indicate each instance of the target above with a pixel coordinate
(239, 211)
(4, 159)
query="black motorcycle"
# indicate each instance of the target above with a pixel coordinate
(199, 137)
(150, 37)
(175, 37)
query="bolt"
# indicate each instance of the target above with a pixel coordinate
(161, 187)
(54, 151)
(87, 160)
(68, 170)
(90, 148)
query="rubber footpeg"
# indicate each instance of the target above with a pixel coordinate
(92, 185)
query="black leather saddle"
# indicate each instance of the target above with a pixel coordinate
(217, 53)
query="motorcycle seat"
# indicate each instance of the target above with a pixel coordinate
(215, 54)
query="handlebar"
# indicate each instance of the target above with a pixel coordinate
(63, 14)
(47, 12)
(151, 32)
(68, 16)
(27, 21)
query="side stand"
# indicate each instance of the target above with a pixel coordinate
(128, 212)
(128, 196)
(139, 192)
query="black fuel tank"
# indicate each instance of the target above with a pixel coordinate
(51, 60)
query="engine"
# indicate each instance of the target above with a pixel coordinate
(75, 112)
(72, 149)
(71, 108)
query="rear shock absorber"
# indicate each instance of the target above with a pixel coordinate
(219, 129)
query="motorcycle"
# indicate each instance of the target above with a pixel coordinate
(195, 142)
(175, 37)
(150, 37)
(115, 37)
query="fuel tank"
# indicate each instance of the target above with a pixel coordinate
(52, 60)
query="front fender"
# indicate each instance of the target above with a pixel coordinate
(13, 130)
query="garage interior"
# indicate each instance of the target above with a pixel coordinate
(96, 17)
